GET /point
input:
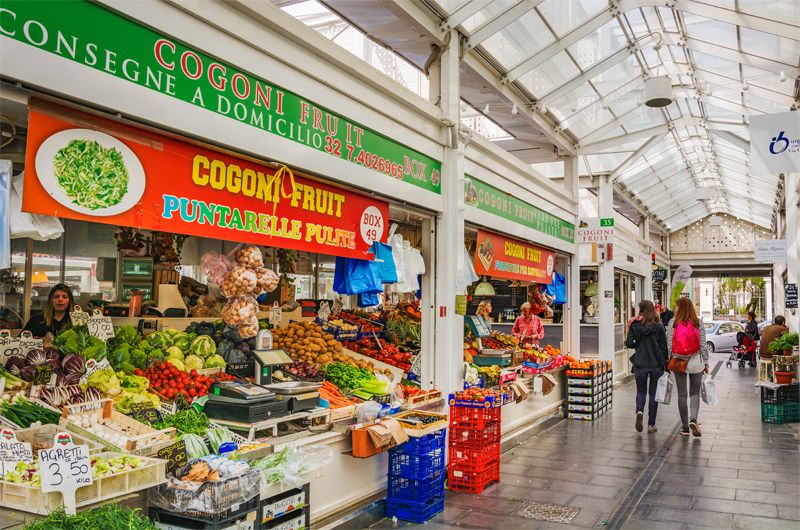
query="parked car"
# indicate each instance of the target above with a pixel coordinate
(721, 335)
(762, 325)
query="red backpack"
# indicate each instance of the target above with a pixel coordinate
(686, 339)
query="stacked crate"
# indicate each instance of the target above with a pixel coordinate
(780, 403)
(474, 447)
(415, 489)
(590, 391)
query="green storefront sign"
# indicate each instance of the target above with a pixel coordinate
(490, 199)
(98, 38)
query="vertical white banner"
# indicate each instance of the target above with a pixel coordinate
(775, 143)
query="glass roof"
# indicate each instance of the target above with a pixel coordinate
(727, 59)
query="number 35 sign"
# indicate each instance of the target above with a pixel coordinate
(65, 467)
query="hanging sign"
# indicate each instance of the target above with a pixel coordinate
(682, 273)
(503, 257)
(78, 316)
(770, 249)
(150, 181)
(8, 346)
(65, 467)
(12, 451)
(175, 455)
(100, 326)
(775, 143)
(596, 230)
(659, 275)
(164, 65)
(790, 291)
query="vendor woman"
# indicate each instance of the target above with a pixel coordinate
(528, 327)
(484, 312)
(55, 316)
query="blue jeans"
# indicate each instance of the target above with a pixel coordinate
(645, 388)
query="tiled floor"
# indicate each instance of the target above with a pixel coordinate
(741, 474)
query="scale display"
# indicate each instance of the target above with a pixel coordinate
(477, 326)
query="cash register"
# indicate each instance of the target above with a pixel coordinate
(243, 402)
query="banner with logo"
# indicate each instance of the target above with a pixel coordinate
(89, 34)
(84, 167)
(503, 257)
(775, 143)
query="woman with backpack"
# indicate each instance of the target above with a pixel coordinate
(646, 334)
(686, 340)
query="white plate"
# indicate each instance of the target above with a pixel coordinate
(47, 177)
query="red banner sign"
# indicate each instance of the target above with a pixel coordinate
(503, 257)
(84, 167)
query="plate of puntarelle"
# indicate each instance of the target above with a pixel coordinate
(90, 172)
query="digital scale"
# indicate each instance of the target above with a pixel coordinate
(266, 358)
(243, 402)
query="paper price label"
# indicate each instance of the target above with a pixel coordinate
(100, 327)
(175, 455)
(144, 412)
(12, 451)
(92, 366)
(8, 346)
(27, 342)
(65, 467)
(79, 317)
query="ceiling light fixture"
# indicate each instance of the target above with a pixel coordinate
(745, 85)
(782, 77)
(542, 108)
(486, 109)
(514, 110)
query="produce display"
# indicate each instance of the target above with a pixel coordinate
(303, 370)
(241, 284)
(24, 413)
(187, 421)
(108, 517)
(102, 466)
(477, 394)
(67, 369)
(331, 393)
(491, 374)
(58, 396)
(383, 351)
(94, 424)
(170, 382)
(367, 326)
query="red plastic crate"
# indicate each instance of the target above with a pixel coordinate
(474, 418)
(475, 439)
(469, 480)
(478, 458)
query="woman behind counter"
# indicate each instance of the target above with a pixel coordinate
(484, 312)
(528, 327)
(55, 316)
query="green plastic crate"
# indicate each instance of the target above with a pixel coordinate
(480, 360)
(780, 412)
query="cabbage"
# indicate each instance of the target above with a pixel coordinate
(171, 332)
(160, 340)
(203, 346)
(215, 361)
(173, 352)
(105, 381)
(177, 363)
(193, 362)
(72, 364)
(182, 340)
(15, 363)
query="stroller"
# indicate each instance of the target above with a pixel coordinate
(744, 351)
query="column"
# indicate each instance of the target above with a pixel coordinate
(792, 198)
(778, 266)
(605, 208)
(648, 269)
(572, 313)
(449, 327)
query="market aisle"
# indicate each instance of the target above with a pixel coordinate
(734, 472)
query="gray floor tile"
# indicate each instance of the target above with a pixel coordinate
(693, 518)
(673, 501)
(742, 507)
(604, 492)
(748, 522)
(739, 483)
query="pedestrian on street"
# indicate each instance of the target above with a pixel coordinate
(688, 360)
(666, 315)
(647, 336)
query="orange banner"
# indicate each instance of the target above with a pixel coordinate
(83, 167)
(503, 257)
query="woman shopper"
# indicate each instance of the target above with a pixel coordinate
(646, 334)
(55, 316)
(528, 327)
(686, 342)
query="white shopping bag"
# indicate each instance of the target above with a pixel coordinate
(708, 390)
(664, 389)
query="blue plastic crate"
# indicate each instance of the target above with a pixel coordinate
(416, 466)
(415, 512)
(417, 490)
(423, 445)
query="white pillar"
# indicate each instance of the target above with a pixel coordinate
(605, 208)
(792, 198)
(648, 269)
(572, 314)
(449, 327)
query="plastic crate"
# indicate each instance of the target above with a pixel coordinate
(423, 444)
(467, 479)
(480, 458)
(780, 413)
(473, 418)
(465, 438)
(220, 521)
(782, 394)
(32, 499)
(417, 490)
(415, 512)
(416, 466)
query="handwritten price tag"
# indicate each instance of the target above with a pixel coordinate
(144, 412)
(100, 326)
(8, 346)
(175, 455)
(65, 467)
(12, 451)
(79, 317)
(27, 342)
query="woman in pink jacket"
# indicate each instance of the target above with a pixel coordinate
(528, 327)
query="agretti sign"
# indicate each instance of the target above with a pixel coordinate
(95, 37)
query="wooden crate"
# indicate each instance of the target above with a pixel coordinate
(417, 430)
(27, 435)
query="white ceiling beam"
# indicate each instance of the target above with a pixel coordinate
(644, 148)
(602, 145)
(774, 66)
(608, 99)
(673, 168)
(500, 21)
(616, 122)
(738, 141)
(774, 27)
(462, 13)
(755, 90)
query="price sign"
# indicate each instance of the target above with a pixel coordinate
(100, 326)
(65, 467)
(27, 342)
(12, 451)
(144, 412)
(79, 317)
(175, 455)
(44, 374)
(92, 366)
(8, 346)
(790, 290)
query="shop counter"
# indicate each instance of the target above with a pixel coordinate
(517, 416)
(553, 333)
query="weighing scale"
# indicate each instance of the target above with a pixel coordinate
(243, 402)
(299, 395)
(266, 358)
